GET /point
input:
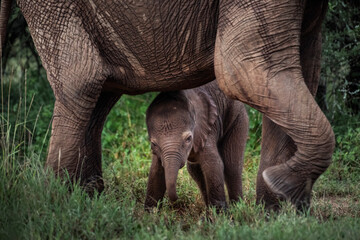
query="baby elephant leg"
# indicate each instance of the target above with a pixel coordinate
(156, 184)
(232, 150)
(196, 173)
(213, 171)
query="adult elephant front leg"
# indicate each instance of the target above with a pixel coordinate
(257, 60)
(75, 144)
(76, 70)
(80, 111)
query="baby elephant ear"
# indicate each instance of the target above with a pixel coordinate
(206, 113)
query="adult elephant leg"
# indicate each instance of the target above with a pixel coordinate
(77, 70)
(257, 60)
(277, 147)
(75, 144)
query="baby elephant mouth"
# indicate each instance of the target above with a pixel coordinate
(192, 161)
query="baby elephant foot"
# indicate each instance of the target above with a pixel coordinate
(152, 205)
(151, 209)
(290, 185)
(220, 206)
(93, 184)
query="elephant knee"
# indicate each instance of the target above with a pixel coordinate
(325, 147)
(329, 143)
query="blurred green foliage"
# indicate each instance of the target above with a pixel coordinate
(340, 73)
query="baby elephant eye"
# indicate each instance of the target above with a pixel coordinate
(188, 139)
(153, 144)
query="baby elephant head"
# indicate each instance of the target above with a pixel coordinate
(178, 122)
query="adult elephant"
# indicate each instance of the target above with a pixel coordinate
(263, 53)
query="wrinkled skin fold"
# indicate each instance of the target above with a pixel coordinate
(204, 129)
(263, 53)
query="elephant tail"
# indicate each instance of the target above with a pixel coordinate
(4, 18)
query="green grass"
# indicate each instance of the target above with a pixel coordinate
(36, 205)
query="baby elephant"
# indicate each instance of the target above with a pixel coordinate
(205, 128)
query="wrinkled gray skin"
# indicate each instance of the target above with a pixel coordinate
(265, 53)
(205, 128)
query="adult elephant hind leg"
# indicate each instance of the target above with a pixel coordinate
(75, 144)
(310, 59)
(276, 146)
(257, 61)
(312, 134)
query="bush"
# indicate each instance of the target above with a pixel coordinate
(340, 73)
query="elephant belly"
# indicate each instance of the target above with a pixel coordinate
(156, 46)
(138, 46)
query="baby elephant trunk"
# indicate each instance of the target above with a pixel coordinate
(172, 167)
